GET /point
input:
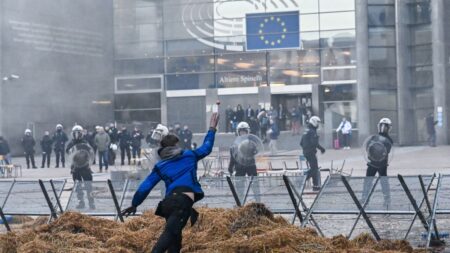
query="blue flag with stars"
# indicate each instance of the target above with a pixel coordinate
(273, 30)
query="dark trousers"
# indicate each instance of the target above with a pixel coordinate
(83, 177)
(95, 154)
(29, 156)
(124, 149)
(346, 140)
(136, 152)
(176, 209)
(46, 157)
(384, 181)
(432, 139)
(313, 171)
(103, 159)
(60, 155)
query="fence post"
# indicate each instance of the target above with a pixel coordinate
(116, 203)
(47, 198)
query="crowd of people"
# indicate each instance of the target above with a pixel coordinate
(104, 140)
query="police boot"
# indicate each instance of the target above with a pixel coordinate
(63, 165)
(80, 205)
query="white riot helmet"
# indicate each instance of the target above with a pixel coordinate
(159, 132)
(314, 121)
(59, 127)
(28, 131)
(77, 132)
(384, 126)
(242, 126)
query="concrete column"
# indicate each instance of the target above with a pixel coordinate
(362, 70)
(439, 68)
(406, 125)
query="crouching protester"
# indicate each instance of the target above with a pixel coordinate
(178, 169)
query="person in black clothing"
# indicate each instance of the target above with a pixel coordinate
(28, 144)
(186, 137)
(136, 143)
(378, 147)
(59, 141)
(248, 150)
(80, 167)
(149, 140)
(249, 114)
(239, 117)
(431, 130)
(46, 146)
(229, 117)
(90, 138)
(114, 138)
(4, 150)
(124, 144)
(310, 144)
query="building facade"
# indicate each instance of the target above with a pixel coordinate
(359, 59)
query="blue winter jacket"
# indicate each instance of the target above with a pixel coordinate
(179, 171)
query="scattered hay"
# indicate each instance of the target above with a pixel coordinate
(252, 228)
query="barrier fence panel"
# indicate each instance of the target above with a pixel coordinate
(5, 188)
(152, 200)
(334, 209)
(27, 198)
(94, 197)
(217, 193)
(441, 211)
(391, 208)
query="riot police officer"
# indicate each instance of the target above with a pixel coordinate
(28, 144)
(82, 154)
(310, 144)
(59, 140)
(136, 143)
(46, 146)
(124, 144)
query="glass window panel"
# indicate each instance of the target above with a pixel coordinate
(381, 15)
(294, 59)
(424, 98)
(309, 22)
(333, 5)
(137, 101)
(346, 109)
(339, 20)
(382, 57)
(129, 116)
(381, 1)
(421, 35)
(150, 32)
(422, 76)
(241, 79)
(138, 84)
(124, 16)
(338, 92)
(338, 56)
(309, 40)
(125, 34)
(190, 81)
(139, 50)
(294, 76)
(422, 55)
(420, 13)
(139, 66)
(151, 14)
(339, 74)
(383, 77)
(187, 47)
(381, 36)
(341, 38)
(308, 6)
(242, 61)
(383, 100)
(190, 64)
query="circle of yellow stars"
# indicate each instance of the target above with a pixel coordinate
(272, 42)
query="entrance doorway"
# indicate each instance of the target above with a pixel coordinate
(303, 102)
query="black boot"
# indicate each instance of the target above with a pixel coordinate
(80, 205)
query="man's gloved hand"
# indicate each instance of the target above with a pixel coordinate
(128, 211)
(322, 150)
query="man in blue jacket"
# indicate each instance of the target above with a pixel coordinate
(178, 169)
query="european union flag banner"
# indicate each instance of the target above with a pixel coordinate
(273, 30)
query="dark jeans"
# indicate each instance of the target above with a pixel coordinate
(176, 209)
(103, 159)
(29, 156)
(136, 152)
(382, 172)
(60, 154)
(346, 140)
(123, 150)
(313, 171)
(46, 156)
(84, 177)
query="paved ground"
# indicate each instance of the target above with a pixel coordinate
(406, 160)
